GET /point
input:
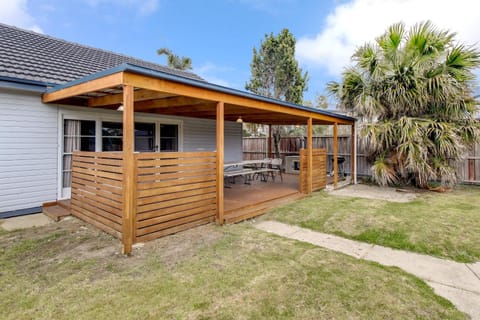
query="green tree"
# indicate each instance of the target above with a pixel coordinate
(275, 73)
(321, 102)
(414, 90)
(174, 61)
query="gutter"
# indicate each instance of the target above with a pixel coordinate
(23, 84)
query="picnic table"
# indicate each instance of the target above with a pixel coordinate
(247, 169)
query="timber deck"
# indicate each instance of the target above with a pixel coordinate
(243, 201)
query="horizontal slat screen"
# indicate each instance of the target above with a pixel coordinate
(97, 189)
(319, 174)
(175, 191)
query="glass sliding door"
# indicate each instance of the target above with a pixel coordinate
(112, 136)
(78, 135)
(169, 137)
(97, 135)
(145, 137)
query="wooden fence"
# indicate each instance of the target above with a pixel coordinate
(97, 189)
(468, 170)
(175, 191)
(319, 178)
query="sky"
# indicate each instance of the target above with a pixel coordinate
(219, 35)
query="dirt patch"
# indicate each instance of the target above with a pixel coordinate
(72, 241)
(376, 192)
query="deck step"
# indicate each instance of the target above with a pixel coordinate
(64, 203)
(56, 212)
(258, 209)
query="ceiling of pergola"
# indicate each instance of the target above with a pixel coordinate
(164, 103)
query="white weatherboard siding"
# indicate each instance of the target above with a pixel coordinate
(200, 135)
(28, 151)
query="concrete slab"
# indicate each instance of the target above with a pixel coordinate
(23, 222)
(429, 268)
(475, 267)
(352, 248)
(277, 228)
(374, 192)
(465, 301)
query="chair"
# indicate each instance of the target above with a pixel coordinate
(276, 165)
(263, 170)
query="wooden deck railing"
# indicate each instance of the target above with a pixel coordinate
(319, 174)
(97, 189)
(175, 191)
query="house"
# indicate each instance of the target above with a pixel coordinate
(59, 113)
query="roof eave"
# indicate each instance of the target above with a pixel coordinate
(127, 67)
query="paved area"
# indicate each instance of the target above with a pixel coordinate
(22, 222)
(457, 282)
(374, 192)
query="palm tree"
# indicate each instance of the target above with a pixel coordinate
(415, 90)
(174, 61)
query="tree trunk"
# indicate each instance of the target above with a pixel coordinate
(276, 142)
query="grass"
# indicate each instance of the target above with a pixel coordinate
(445, 225)
(232, 272)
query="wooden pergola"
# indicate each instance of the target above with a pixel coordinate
(140, 89)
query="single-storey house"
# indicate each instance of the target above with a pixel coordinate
(139, 148)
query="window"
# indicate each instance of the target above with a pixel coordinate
(96, 135)
(145, 137)
(112, 136)
(169, 137)
(77, 135)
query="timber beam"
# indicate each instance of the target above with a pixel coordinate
(139, 95)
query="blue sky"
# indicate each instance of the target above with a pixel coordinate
(219, 35)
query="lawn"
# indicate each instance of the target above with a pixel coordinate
(445, 225)
(70, 271)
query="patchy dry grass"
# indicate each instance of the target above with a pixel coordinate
(70, 271)
(446, 225)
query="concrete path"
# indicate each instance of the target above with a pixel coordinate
(457, 282)
(22, 222)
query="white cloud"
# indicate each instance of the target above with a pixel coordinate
(15, 12)
(142, 7)
(210, 71)
(353, 23)
(269, 6)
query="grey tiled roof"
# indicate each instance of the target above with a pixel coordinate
(26, 55)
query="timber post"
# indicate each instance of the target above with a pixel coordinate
(220, 124)
(128, 217)
(353, 157)
(335, 155)
(309, 155)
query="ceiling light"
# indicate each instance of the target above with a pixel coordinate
(240, 120)
(120, 107)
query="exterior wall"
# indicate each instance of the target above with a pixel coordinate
(199, 135)
(31, 145)
(28, 151)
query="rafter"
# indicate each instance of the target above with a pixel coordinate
(167, 102)
(139, 95)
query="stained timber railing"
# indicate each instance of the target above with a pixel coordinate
(174, 191)
(319, 167)
(96, 194)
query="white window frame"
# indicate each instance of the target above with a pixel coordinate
(75, 113)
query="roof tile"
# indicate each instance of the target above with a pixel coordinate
(27, 55)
